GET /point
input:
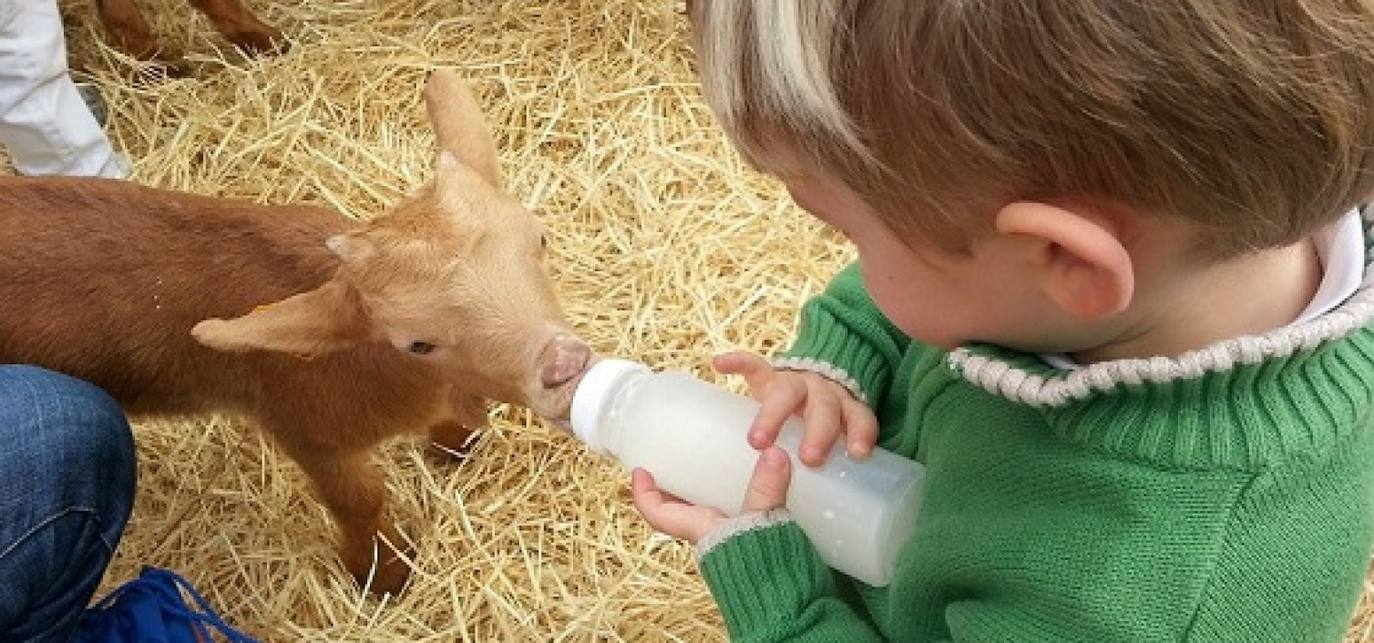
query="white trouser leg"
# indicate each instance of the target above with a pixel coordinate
(44, 124)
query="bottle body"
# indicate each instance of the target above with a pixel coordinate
(692, 436)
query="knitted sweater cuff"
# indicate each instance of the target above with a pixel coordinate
(762, 570)
(829, 348)
(740, 524)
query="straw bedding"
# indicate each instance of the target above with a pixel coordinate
(663, 247)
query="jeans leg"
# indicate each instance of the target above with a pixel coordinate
(66, 488)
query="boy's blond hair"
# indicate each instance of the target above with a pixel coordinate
(1253, 118)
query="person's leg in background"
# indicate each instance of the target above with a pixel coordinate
(44, 124)
(67, 473)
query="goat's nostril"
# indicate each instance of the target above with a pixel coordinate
(569, 360)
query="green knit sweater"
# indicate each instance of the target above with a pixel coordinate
(1221, 495)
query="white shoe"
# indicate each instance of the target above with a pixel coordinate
(90, 94)
(116, 167)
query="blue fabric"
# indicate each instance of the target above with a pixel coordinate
(151, 609)
(67, 473)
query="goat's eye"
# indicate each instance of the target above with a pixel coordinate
(420, 348)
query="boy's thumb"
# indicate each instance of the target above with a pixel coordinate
(768, 486)
(755, 370)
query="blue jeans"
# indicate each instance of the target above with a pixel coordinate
(66, 488)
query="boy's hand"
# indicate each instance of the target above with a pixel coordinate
(675, 517)
(827, 408)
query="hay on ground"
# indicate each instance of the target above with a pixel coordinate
(663, 246)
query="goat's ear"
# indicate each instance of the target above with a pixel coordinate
(350, 247)
(312, 323)
(459, 127)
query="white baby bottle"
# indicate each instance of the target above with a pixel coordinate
(691, 436)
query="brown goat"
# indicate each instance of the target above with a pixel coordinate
(404, 324)
(132, 34)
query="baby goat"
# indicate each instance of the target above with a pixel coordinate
(329, 334)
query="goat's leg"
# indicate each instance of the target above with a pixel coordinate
(452, 435)
(242, 28)
(353, 489)
(131, 33)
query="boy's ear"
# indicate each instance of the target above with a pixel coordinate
(1079, 263)
(312, 323)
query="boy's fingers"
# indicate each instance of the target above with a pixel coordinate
(645, 494)
(824, 417)
(668, 514)
(648, 498)
(739, 362)
(861, 429)
(768, 486)
(652, 503)
(781, 403)
(755, 370)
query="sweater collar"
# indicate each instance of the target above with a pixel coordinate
(1240, 403)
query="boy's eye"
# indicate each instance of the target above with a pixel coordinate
(420, 348)
(544, 241)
